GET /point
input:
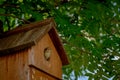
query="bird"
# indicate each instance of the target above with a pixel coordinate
(47, 53)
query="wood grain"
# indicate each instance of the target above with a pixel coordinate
(54, 65)
(14, 67)
(37, 74)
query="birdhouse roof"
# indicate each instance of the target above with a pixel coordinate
(28, 35)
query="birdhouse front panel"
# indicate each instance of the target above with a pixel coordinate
(45, 57)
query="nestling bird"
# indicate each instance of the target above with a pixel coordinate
(47, 53)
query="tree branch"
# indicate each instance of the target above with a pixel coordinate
(9, 5)
(10, 15)
(115, 21)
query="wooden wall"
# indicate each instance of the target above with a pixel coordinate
(14, 66)
(54, 65)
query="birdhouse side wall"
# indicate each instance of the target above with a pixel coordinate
(14, 66)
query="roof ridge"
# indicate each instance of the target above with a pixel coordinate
(26, 28)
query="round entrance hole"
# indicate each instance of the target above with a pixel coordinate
(47, 53)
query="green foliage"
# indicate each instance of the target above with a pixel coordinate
(89, 29)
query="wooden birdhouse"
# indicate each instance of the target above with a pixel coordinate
(32, 52)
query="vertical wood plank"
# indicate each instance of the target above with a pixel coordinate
(15, 66)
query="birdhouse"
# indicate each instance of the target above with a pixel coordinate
(32, 52)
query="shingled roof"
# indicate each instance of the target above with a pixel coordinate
(28, 35)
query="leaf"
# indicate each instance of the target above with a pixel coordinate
(1, 2)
